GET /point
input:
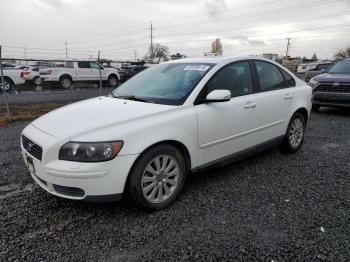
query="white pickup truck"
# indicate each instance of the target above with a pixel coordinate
(79, 71)
(12, 78)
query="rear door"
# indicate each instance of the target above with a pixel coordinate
(95, 71)
(83, 71)
(273, 100)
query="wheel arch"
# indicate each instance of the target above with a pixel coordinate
(304, 112)
(9, 79)
(113, 74)
(178, 145)
(66, 75)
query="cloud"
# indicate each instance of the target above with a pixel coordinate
(56, 5)
(215, 7)
(244, 40)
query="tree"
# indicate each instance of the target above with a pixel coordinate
(216, 47)
(159, 51)
(341, 54)
(314, 57)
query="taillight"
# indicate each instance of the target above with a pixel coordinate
(49, 72)
(22, 74)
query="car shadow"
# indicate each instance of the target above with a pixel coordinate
(333, 111)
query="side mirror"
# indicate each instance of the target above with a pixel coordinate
(219, 95)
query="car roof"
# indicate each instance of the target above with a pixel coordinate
(218, 60)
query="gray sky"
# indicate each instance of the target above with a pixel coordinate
(117, 28)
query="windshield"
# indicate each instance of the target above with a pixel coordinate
(342, 67)
(169, 84)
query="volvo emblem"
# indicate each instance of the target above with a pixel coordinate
(29, 147)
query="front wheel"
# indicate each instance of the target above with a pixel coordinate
(157, 178)
(294, 137)
(65, 82)
(315, 107)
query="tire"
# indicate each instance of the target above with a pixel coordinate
(315, 107)
(113, 81)
(154, 187)
(8, 85)
(294, 137)
(65, 82)
(37, 81)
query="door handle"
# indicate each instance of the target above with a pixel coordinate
(249, 105)
(288, 97)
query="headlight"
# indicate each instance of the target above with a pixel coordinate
(313, 83)
(90, 152)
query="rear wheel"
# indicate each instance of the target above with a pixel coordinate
(157, 178)
(37, 81)
(8, 85)
(112, 81)
(65, 82)
(294, 137)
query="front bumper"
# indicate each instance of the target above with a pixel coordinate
(102, 181)
(335, 99)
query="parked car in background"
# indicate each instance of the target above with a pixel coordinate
(12, 78)
(173, 118)
(332, 88)
(127, 72)
(79, 71)
(8, 66)
(316, 70)
(301, 68)
(31, 75)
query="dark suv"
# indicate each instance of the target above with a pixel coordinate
(332, 88)
(127, 72)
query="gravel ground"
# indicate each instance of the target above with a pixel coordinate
(48, 96)
(271, 207)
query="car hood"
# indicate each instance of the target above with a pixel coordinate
(344, 78)
(93, 114)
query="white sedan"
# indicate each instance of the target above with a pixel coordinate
(174, 118)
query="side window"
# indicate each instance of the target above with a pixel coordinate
(270, 77)
(83, 64)
(290, 82)
(235, 77)
(94, 65)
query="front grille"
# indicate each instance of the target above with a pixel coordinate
(69, 191)
(341, 88)
(32, 148)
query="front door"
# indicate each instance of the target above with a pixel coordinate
(225, 128)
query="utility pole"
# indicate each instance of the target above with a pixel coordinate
(135, 55)
(3, 87)
(65, 42)
(288, 44)
(25, 54)
(98, 60)
(151, 41)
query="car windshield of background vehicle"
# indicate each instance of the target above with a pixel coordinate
(342, 67)
(168, 84)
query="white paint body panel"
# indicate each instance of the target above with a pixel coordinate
(208, 131)
(78, 74)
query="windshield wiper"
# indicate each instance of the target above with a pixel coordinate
(134, 98)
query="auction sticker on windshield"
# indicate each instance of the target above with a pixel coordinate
(197, 67)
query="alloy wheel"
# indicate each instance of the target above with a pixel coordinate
(160, 178)
(296, 132)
